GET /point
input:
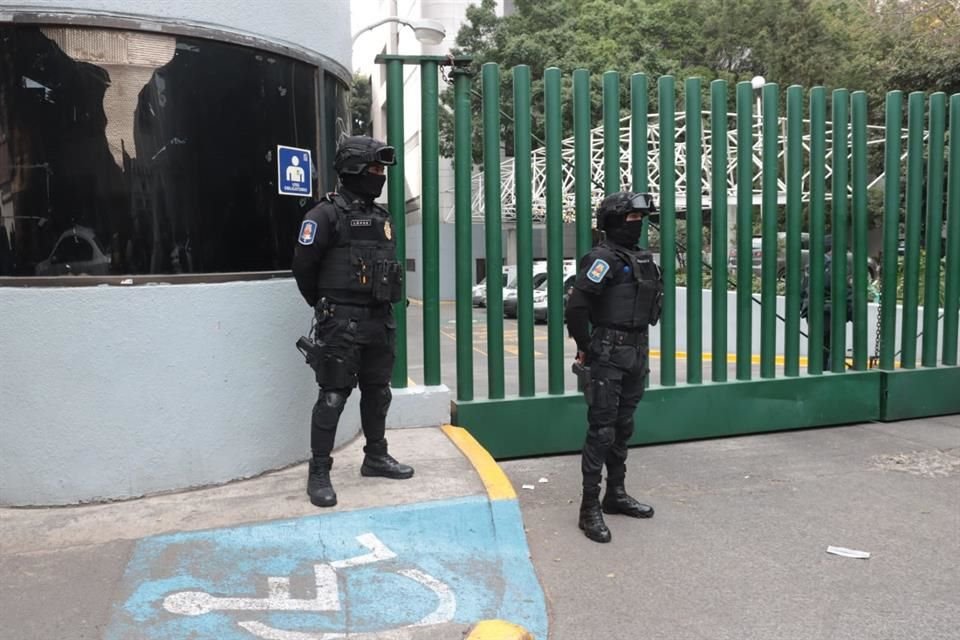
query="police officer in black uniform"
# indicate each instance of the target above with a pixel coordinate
(346, 268)
(618, 291)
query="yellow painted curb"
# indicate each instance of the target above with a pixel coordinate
(494, 479)
(497, 630)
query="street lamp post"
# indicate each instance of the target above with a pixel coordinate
(426, 31)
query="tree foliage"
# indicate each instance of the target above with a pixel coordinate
(870, 45)
(361, 101)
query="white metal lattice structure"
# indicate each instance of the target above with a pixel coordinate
(875, 137)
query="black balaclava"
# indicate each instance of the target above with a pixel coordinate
(627, 234)
(364, 184)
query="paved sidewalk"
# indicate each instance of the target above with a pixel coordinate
(418, 559)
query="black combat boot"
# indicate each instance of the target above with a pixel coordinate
(616, 500)
(591, 520)
(377, 462)
(318, 482)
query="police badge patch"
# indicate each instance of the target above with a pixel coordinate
(308, 230)
(387, 230)
(598, 270)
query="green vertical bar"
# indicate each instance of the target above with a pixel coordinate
(744, 230)
(694, 149)
(718, 227)
(818, 195)
(554, 157)
(463, 116)
(952, 296)
(768, 217)
(611, 132)
(523, 187)
(396, 200)
(581, 160)
(639, 101)
(914, 214)
(668, 231)
(931, 289)
(860, 216)
(791, 349)
(430, 209)
(891, 227)
(490, 80)
(838, 286)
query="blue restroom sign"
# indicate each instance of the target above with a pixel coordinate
(294, 171)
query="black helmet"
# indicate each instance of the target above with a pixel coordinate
(614, 209)
(356, 152)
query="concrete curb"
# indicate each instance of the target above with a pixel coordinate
(499, 490)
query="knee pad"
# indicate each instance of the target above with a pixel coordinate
(327, 410)
(625, 428)
(377, 398)
(602, 437)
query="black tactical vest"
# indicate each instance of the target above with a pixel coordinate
(634, 297)
(362, 268)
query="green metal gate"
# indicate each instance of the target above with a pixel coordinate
(853, 391)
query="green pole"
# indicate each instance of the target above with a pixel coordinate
(718, 243)
(891, 227)
(430, 207)
(911, 259)
(744, 230)
(490, 80)
(794, 228)
(694, 149)
(639, 121)
(581, 163)
(611, 132)
(523, 187)
(860, 215)
(464, 230)
(396, 201)
(952, 293)
(818, 191)
(554, 188)
(768, 213)
(668, 231)
(838, 286)
(931, 289)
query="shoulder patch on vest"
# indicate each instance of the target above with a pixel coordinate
(598, 270)
(308, 231)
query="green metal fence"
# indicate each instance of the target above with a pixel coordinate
(831, 149)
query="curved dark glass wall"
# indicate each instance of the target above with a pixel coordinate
(126, 153)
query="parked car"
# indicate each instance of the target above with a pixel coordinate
(76, 252)
(479, 292)
(510, 291)
(540, 295)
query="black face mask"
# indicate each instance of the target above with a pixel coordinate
(627, 234)
(364, 184)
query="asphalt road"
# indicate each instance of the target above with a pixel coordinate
(738, 546)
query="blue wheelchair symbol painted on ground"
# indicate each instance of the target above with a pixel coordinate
(326, 596)
(294, 176)
(365, 574)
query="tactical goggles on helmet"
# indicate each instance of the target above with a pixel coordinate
(357, 161)
(641, 202)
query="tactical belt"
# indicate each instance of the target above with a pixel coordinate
(329, 308)
(629, 337)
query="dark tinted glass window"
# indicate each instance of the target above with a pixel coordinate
(147, 153)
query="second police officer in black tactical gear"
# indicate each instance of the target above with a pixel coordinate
(346, 268)
(618, 292)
